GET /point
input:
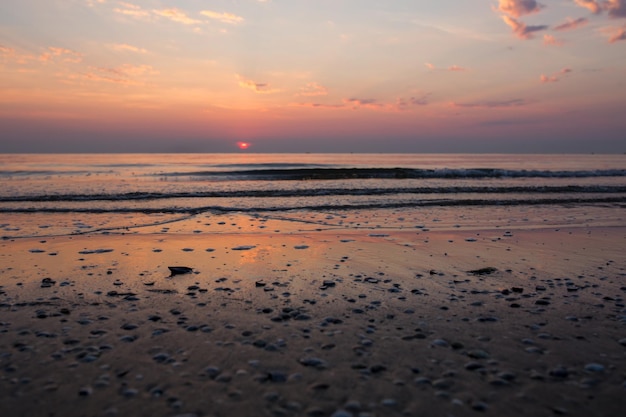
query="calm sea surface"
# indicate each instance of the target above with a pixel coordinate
(190, 184)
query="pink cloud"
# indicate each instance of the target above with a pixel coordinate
(554, 77)
(5, 50)
(125, 74)
(313, 89)
(321, 105)
(401, 104)
(453, 68)
(615, 8)
(517, 8)
(617, 34)
(259, 88)
(177, 16)
(405, 104)
(132, 10)
(456, 68)
(551, 40)
(516, 102)
(572, 24)
(522, 30)
(592, 5)
(363, 102)
(67, 55)
(222, 17)
(124, 47)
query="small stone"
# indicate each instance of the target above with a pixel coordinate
(479, 406)
(212, 371)
(130, 392)
(440, 343)
(47, 282)
(594, 367)
(422, 380)
(314, 363)
(559, 372)
(443, 383)
(276, 376)
(473, 366)
(478, 354)
(389, 402)
(161, 357)
(85, 391)
(342, 413)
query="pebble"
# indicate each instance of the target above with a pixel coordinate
(594, 367)
(314, 362)
(342, 413)
(478, 354)
(559, 372)
(440, 343)
(479, 406)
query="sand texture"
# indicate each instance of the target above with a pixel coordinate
(283, 318)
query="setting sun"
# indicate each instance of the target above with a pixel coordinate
(243, 145)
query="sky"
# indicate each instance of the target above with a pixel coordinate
(313, 76)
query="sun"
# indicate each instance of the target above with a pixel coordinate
(243, 145)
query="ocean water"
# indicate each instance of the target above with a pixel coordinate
(193, 184)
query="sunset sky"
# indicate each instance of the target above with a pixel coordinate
(313, 75)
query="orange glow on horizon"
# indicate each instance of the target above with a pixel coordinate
(243, 145)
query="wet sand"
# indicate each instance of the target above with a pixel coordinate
(284, 318)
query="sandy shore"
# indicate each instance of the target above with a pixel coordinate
(283, 318)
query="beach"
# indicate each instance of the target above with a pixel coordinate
(357, 313)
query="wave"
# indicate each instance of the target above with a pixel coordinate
(283, 193)
(620, 200)
(273, 165)
(51, 172)
(391, 173)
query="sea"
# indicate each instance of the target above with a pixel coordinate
(266, 184)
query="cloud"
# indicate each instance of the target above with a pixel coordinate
(517, 8)
(456, 68)
(551, 40)
(516, 102)
(66, 55)
(321, 105)
(357, 103)
(615, 8)
(125, 74)
(132, 10)
(5, 50)
(177, 16)
(259, 88)
(313, 89)
(407, 103)
(522, 30)
(572, 24)
(222, 17)
(554, 77)
(592, 5)
(616, 34)
(453, 68)
(123, 47)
